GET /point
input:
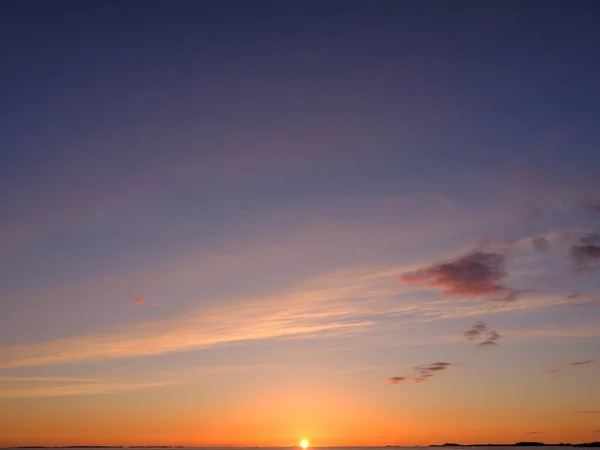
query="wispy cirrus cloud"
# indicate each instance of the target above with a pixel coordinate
(48, 379)
(52, 386)
(476, 274)
(582, 331)
(580, 300)
(340, 303)
(77, 389)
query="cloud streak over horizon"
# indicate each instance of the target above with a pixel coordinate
(75, 389)
(337, 303)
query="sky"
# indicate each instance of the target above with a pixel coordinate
(250, 223)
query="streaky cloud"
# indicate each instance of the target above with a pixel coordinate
(48, 379)
(396, 380)
(582, 363)
(78, 389)
(424, 373)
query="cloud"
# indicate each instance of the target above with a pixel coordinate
(480, 330)
(540, 243)
(593, 205)
(50, 379)
(341, 303)
(586, 253)
(492, 339)
(476, 330)
(477, 274)
(582, 363)
(579, 331)
(571, 364)
(396, 380)
(77, 389)
(424, 373)
(429, 369)
(140, 300)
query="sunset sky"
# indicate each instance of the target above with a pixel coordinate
(253, 222)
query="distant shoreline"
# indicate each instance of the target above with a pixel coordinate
(520, 444)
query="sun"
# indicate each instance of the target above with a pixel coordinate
(304, 444)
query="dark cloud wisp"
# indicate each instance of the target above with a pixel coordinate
(582, 363)
(480, 331)
(540, 243)
(593, 205)
(476, 331)
(586, 253)
(491, 339)
(424, 373)
(396, 380)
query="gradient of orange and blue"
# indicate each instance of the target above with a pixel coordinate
(252, 223)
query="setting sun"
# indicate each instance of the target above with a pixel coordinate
(304, 443)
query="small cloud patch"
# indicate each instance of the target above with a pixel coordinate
(585, 254)
(396, 380)
(480, 331)
(540, 243)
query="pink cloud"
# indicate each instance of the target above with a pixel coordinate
(476, 274)
(140, 300)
